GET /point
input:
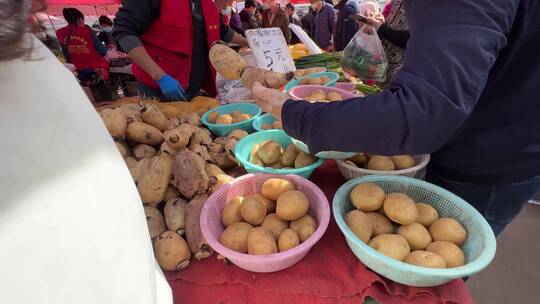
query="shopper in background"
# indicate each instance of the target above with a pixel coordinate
(324, 21)
(275, 16)
(307, 22)
(247, 15)
(235, 23)
(293, 19)
(105, 35)
(346, 27)
(82, 48)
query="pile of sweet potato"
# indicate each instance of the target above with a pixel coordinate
(176, 164)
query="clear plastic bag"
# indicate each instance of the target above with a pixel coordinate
(364, 56)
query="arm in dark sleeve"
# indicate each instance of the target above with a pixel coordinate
(98, 45)
(133, 19)
(225, 32)
(454, 44)
(236, 24)
(398, 38)
(332, 20)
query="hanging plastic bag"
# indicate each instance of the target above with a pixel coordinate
(364, 56)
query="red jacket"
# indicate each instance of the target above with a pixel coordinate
(169, 41)
(80, 47)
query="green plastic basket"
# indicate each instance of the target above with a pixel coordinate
(260, 121)
(479, 249)
(224, 130)
(242, 151)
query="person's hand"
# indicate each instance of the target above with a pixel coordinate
(270, 100)
(171, 88)
(375, 19)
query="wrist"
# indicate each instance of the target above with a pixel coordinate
(158, 75)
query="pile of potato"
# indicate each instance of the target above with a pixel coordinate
(227, 119)
(271, 154)
(321, 80)
(382, 163)
(421, 237)
(322, 96)
(272, 221)
(275, 125)
(175, 163)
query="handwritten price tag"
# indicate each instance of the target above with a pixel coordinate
(270, 49)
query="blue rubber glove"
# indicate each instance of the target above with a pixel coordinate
(171, 88)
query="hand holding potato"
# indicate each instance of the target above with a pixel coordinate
(270, 100)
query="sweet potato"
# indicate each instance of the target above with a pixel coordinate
(178, 138)
(143, 133)
(141, 151)
(154, 117)
(190, 118)
(155, 221)
(200, 137)
(190, 178)
(269, 79)
(218, 181)
(133, 166)
(202, 151)
(198, 245)
(115, 121)
(122, 148)
(237, 134)
(154, 178)
(226, 61)
(171, 193)
(173, 123)
(174, 211)
(213, 170)
(171, 251)
(166, 149)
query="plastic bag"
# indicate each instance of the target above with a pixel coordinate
(364, 56)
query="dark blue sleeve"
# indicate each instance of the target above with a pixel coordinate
(350, 27)
(100, 48)
(453, 45)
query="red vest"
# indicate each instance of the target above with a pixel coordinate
(81, 50)
(169, 41)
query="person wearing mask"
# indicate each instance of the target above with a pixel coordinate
(274, 15)
(247, 15)
(450, 99)
(169, 42)
(105, 35)
(293, 19)
(82, 48)
(346, 27)
(61, 181)
(324, 20)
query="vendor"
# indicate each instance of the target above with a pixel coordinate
(169, 42)
(467, 93)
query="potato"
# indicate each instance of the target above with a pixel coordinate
(190, 177)
(359, 159)
(253, 210)
(392, 245)
(269, 152)
(292, 205)
(448, 229)
(416, 235)
(212, 117)
(266, 127)
(288, 239)
(334, 96)
(243, 117)
(452, 254)
(237, 134)
(426, 214)
(235, 113)
(231, 212)
(260, 242)
(303, 160)
(179, 138)
(274, 187)
(425, 259)
(190, 118)
(277, 125)
(133, 166)
(359, 224)
(213, 170)
(194, 237)
(403, 162)
(367, 197)
(276, 165)
(173, 123)
(115, 121)
(381, 163)
(224, 119)
(151, 115)
(143, 133)
(400, 209)
(235, 237)
(171, 251)
(141, 151)
(305, 81)
(219, 181)
(305, 227)
(289, 156)
(175, 218)
(154, 178)
(155, 221)
(270, 204)
(380, 224)
(274, 224)
(166, 149)
(171, 193)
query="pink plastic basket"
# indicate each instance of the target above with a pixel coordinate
(299, 92)
(250, 184)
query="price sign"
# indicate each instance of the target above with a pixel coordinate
(270, 49)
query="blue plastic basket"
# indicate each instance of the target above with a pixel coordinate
(242, 151)
(479, 249)
(224, 130)
(334, 77)
(260, 121)
(324, 154)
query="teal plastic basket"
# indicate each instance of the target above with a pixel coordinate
(334, 77)
(324, 154)
(260, 121)
(242, 151)
(224, 130)
(479, 249)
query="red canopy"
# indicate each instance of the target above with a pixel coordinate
(87, 7)
(87, 2)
